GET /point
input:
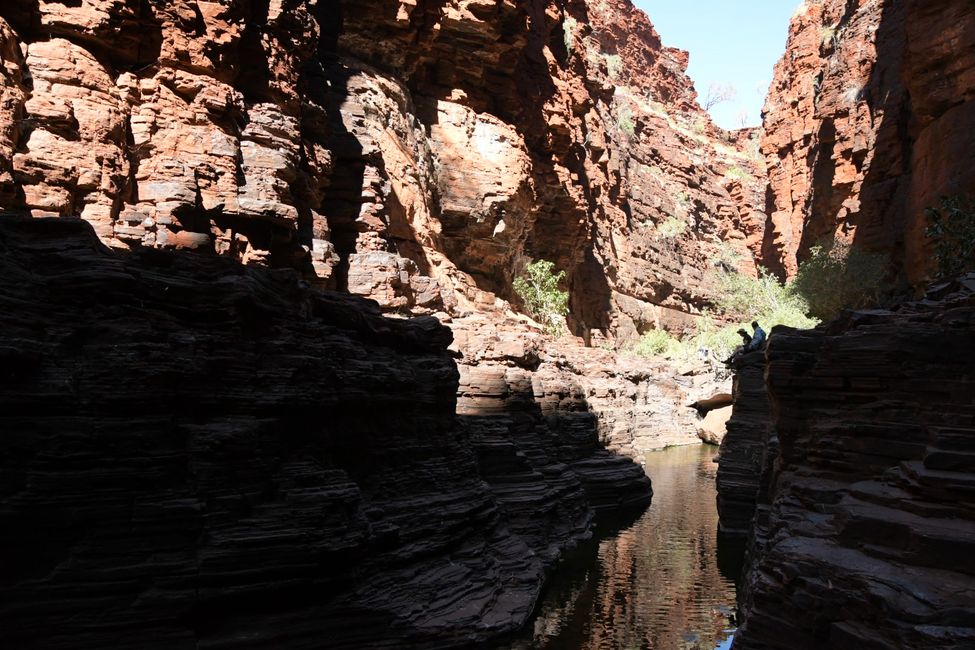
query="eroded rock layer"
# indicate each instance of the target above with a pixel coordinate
(868, 122)
(638, 404)
(867, 538)
(743, 447)
(200, 454)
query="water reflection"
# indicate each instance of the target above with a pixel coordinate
(655, 585)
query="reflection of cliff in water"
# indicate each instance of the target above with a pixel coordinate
(653, 585)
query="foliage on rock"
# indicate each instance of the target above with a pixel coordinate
(671, 227)
(764, 299)
(951, 230)
(653, 343)
(539, 291)
(840, 276)
(740, 299)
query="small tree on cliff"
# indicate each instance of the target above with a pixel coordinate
(951, 229)
(719, 94)
(539, 291)
(839, 276)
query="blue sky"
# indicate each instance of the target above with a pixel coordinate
(730, 42)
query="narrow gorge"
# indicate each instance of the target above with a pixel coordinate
(270, 378)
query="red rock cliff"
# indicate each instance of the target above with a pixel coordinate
(416, 153)
(868, 122)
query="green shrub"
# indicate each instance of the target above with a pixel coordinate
(839, 276)
(726, 256)
(614, 65)
(739, 299)
(671, 227)
(625, 122)
(540, 294)
(653, 343)
(736, 173)
(683, 201)
(739, 295)
(951, 230)
(743, 299)
(828, 35)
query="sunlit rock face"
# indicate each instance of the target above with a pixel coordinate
(415, 153)
(869, 122)
(568, 134)
(865, 520)
(628, 404)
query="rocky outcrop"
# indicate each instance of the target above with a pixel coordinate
(197, 453)
(869, 122)
(743, 447)
(867, 537)
(629, 405)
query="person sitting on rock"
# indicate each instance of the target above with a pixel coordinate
(746, 341)
(758, 337)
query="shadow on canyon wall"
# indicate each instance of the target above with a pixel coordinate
(881, 222)
(194, 449)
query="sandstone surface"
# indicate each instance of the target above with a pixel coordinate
(416, 153)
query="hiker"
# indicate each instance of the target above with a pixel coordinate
(746, 341)
(758, 337)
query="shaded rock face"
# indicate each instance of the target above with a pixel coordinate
(865, 524)
(415, 153)
(869, 122)
(201, 454)
(743, 447)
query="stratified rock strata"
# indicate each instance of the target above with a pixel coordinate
(200, 454)
(628, 404)
(743, 447)
(868, 538)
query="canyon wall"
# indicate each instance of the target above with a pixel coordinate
(869, 121)
(869, 529)
(635, 404)
(418, 154)
(197, 453)
(415, 153)
(203, 447)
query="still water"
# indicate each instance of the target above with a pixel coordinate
(653, 585)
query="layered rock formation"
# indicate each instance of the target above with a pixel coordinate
(629, 404)
(869, 122)
(867, 537)
(415, 153)
(201, 454)
(743, 447)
